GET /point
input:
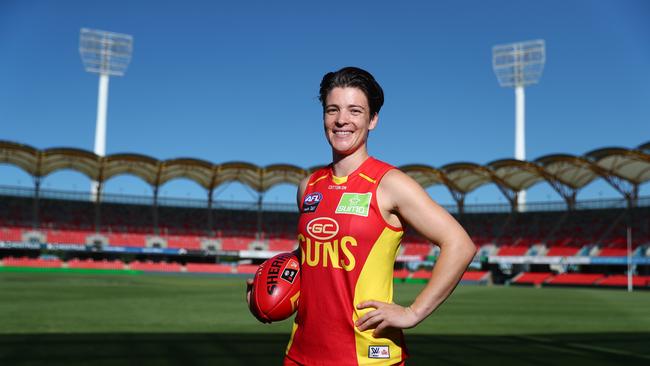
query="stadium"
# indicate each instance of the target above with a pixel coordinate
(593, 243)
(50, 237)
(137, 250)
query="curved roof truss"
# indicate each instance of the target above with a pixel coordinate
(566, 173)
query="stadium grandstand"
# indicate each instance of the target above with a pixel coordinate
(577, 243)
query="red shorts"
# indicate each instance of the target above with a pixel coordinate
(290, 362)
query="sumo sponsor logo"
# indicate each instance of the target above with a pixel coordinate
(311, 201)
(378, 352)
(354, 204)
(323, 228)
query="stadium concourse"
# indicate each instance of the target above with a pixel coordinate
(564, 243)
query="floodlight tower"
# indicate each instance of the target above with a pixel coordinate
(106, 54)
(518, 65)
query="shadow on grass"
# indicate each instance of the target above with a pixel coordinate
(267, 349)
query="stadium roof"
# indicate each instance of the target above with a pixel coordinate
(625, 169)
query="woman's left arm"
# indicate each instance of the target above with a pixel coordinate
(401, 196)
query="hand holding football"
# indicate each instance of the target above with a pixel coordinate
(276, 288)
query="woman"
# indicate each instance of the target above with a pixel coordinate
(353, 214)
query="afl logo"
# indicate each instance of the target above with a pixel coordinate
(323, 228)
(313, 199)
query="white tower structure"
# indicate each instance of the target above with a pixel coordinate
(518, 65)
(106, 54)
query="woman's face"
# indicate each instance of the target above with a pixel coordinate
(347, 119)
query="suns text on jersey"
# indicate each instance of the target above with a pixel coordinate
(332, 253)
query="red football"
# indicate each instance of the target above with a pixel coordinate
(276, 288)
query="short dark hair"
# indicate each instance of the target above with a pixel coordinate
(356, 78)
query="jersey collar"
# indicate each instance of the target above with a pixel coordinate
(342, 180)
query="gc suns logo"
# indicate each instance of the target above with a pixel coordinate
(323, 228)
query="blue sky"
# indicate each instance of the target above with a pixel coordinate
(226, 81)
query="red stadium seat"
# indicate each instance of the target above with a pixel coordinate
(612, 252)
(236, 243)
(533, 278)
(208, 268)
(619, 242)
(621, 280)
(11, 234)
(247, 268)
(282, 245)
(31, 262)
(183, 241)
(401, 273)
(417, 249)
(421, 274)
(155, 266)
(575, 279)
(480, 240)
(67, 236)
(562, 252)
(512, 250)
(127, 239)
(91, 264)
(475, 276)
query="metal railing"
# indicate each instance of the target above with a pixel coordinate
(81, 196)
(594, 204)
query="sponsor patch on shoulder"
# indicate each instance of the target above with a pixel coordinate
(378, 352)
(311, 201)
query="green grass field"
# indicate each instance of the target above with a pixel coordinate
(135, 319)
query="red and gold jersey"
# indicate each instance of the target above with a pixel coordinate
(348, 252)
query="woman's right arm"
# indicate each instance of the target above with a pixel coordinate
(301, 191)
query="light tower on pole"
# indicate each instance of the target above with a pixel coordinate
(518, 65)
(106, 54)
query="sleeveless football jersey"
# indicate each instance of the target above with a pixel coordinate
(348, 252)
